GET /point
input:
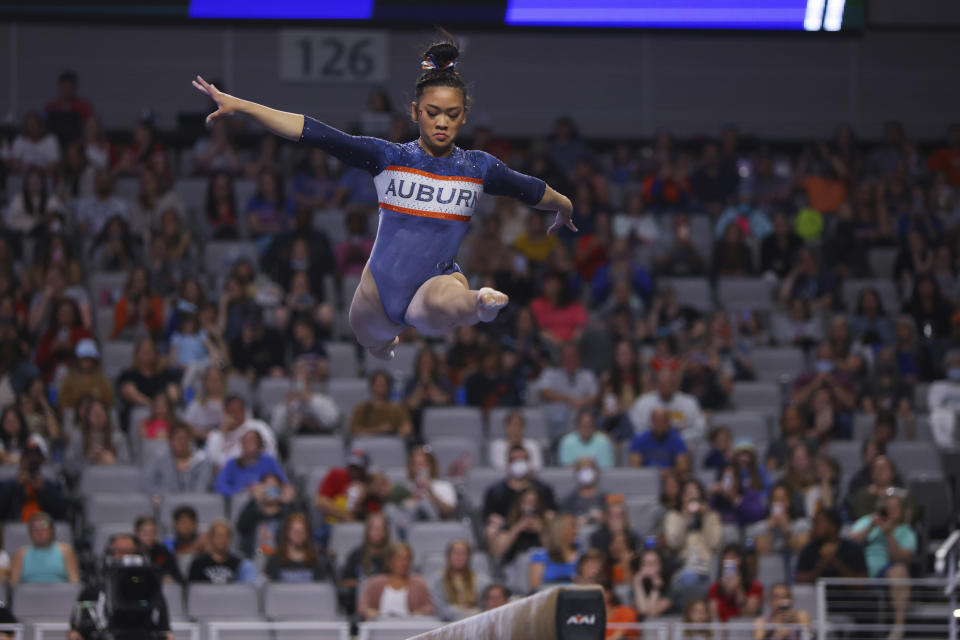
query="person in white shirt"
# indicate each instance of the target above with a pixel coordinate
(34, 147)
(943, 398)
(566, 389)
(513, 427)
(95, 210)
(30, 207)
(224, 442)
(685, 412)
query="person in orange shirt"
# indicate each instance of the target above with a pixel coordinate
(947, 159)
(139, 306)
(823, 177)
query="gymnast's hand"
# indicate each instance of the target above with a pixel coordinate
(564, 210)
(226, 104)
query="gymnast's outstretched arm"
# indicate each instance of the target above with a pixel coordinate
(355, 151)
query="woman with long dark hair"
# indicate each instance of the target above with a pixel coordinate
(55, 348)
(296, 558)
(428, 190)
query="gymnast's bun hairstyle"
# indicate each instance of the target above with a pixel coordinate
(439, 63)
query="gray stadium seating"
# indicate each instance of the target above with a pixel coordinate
(452, 421)
(643, 513)
(118, 507)
(99, 479)
(756, 395)
(15, 534)
(44, 602)
(735, 294)
(772, 363)
(432, 537)
(348, 393)
(219, 255)
(310, 601)
(344, 538)
(448, 450)
(103, 531)
(931, 492)
(384, 451)
(744, 423)
(342, 359)
(631, 482)
(105, 282)
(562, 480)
(915, 456)
(480, 479)
(223, 602)
(209, 506)
(884, 287)
(271, 392)
(536, 422)
(691, 292)
(115, 356)
(173, 593)
(307, 452)
(240, 385)
(771, 569)
(398, 630)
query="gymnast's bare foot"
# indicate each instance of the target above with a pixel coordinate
(386, 352)
(489, 303)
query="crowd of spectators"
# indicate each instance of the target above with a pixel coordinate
(622, 368)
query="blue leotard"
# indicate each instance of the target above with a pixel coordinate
(425, 204)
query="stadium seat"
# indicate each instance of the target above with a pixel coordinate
(104, 530)
(771, 569)
(244, 188)
(631, 482)
(116, 355)
(15, 534)
(479, 480)
(173, 593)
(448, 450)
(240, 386)
(756, 395)
(404, 359)
(118, 507)
(342, 359)
(310, 451)
(846, 452)
(105, 288)
(384, 451)
(691, 292)
(344, 538)
(736, 294)
(805, 598)
(347, 393)
(220, 255)
(223, 602)
(271, 392)
(884, 286)
(193, 191)
(434, 563)
(536, 428)
(561, 479)
(881, 261)
(432, 537)
(931, 493)
(209, 506)
(44, 602)
(104, 320)
(743, 424)
(452, 421)
(98, 479)
(397, 630)
(310, 601)
(643, 514)
(915, 456)
(774, 363)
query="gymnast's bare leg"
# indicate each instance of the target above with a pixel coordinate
(440, 304)
(370, 324)
(445, 302)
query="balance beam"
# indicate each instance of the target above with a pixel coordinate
(560, 613)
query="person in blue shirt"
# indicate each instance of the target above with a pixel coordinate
(246, 469)
(556, 562)
(660, 446)
(428, 190)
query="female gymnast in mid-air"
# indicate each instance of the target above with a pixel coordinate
(428, 190)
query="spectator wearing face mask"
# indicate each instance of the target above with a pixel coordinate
(943, 398)
(588, 500)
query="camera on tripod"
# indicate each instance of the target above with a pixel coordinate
(127, 602)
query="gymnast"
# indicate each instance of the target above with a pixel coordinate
(428, 190)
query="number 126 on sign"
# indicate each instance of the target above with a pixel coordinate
(310, 55)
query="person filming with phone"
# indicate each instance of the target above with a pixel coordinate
(782, 612)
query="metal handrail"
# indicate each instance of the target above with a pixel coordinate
(40, 628)
(943, 552)
(214, 628)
